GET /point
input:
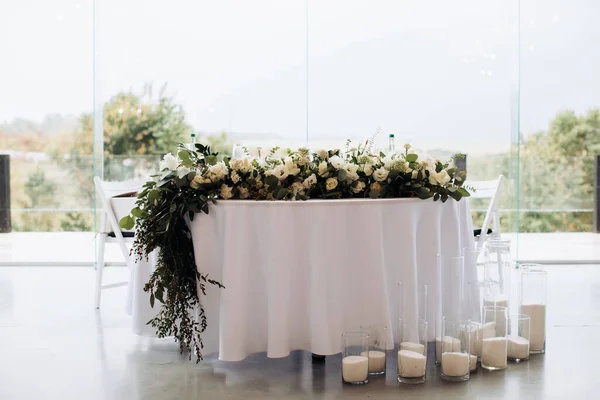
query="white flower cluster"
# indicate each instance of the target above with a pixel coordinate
(328, 173)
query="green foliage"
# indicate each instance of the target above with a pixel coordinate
(39, 189)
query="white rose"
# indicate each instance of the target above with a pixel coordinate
(310, 181)
(291, 167)
(336, 162)
(323, 169)
(219, 170)
(183, 171)
(226, 192)
(388, 161)
(368, 169)
(442, 177)
(331, 183)
(280, 171)
(235, 177)
(169, 161)
(299, 187)
(415, 174)
(381, 174)
(360, 186)
(351, 172)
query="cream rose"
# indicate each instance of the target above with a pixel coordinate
(244, 192)
(322, 154)
(226, 192)
(235, 177)
(331, 184)
(360, 186)
(323, 169)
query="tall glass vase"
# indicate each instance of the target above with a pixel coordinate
(533, 304)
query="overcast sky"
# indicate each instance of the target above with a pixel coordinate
(436, 73)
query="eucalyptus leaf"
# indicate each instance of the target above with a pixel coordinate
(374, 193)
(281, 193)
(342, 174)
(272, 181)
(422, 192)
(136, 212)
(152, 300)
(127, 223)
(411, 158)
(210, 160)
(464, 192)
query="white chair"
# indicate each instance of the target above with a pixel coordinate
(488, 190)
(113, 209)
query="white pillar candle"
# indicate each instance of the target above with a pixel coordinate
(376, 360)
(472, 362)
(355, 368)
(455, 364)
(493, 353)
(518, 347)
(447, 344)
(487, 330)
(416, 347)
(537, 333)
(474, 332)
(411, 364)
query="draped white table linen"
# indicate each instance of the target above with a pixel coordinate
(299, 274)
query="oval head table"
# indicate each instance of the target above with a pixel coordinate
(299, 274)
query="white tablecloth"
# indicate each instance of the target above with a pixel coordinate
(299, 274)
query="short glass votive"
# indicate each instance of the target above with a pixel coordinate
(455, 350)
(533, 303)
(412, 352)
(494, 342)
(377, 352)
(355, 365)
(518, 337)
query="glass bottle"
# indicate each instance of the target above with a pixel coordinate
(192, 144)
(392, 145)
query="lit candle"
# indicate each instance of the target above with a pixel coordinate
(376, 360)
(537, 316)
(455, 364)
(493, 352)
(411, 364)
(447, 344)
(518, 347)
(355, 368)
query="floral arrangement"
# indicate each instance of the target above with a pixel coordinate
(190, 182)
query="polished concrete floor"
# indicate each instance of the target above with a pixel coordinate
(54, 345)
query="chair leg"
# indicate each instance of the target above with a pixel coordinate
(99, 269)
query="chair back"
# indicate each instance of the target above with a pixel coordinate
(487, 190)
(116, 208)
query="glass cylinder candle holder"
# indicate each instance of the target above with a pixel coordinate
(455, 358)
(377, 352)
(355, 365)
(533, 304)
(476, 259)
(518, 337)
(474, 338)
(450, 302)
(494, 342)
(412, 352)
(497, 273)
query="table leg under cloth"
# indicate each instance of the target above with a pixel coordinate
(298, 274)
